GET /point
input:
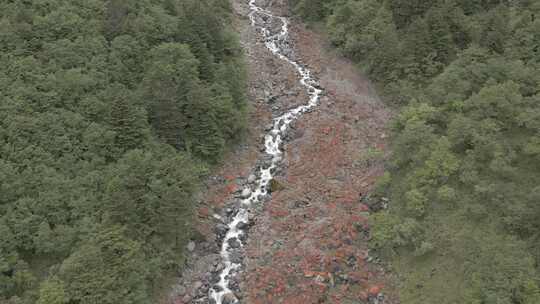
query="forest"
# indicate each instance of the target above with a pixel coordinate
(111, 113)
(463, 223)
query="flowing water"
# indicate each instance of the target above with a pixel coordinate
(277, 41)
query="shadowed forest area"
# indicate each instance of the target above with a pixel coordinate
(111, 112)
(463, 224)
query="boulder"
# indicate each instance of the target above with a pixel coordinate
(234, 243)
(221, 229)
(229, 298)
(374, 290)
(186, 299)
(246, 193)
(242, 225)
(219, 267)
(181, 290)
(235, 257)
(196, 287)
(275, 186)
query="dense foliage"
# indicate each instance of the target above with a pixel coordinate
(464, 222)
(110, 111)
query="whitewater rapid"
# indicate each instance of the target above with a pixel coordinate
(279, 44)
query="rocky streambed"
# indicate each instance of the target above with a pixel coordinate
(275, 30)
(284, 220)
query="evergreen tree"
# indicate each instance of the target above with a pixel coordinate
(203, 132)
(148, 193)
(90, 89)
(109, 268)
(52, 291)
(117, 11)
(170, 77)
(127, 120)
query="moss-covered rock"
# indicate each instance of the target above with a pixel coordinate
(276, 186)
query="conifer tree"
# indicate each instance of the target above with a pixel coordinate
(109, 268)
(127, 120)
(204, 132)
(95, 96)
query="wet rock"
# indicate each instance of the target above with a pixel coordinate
(217, 288)
(219, 267)
(245, 193)
(242, 226)
(267, 164)
(214, 280)
(243, 238)
(237, 191)
(267, 159)
(273, 99)
(234, 283)
(236, 257)
(229, 298)
(234, 243)
(269, 127)
(221, 229)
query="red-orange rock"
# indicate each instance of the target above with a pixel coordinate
(204, 212)
(375, 290)
(309, 274)
(231, 188)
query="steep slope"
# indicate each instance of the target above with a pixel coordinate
(307, 242)
(463, 223)
(110, 111)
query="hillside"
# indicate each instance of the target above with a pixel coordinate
(110, 114)
(270, 151)
(463, 222)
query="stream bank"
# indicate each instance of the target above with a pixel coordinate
(308, 242)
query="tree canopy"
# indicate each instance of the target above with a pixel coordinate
(111, 111)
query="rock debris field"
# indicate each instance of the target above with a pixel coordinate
(285, 219)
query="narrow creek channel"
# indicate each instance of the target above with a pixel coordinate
(277, 41)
